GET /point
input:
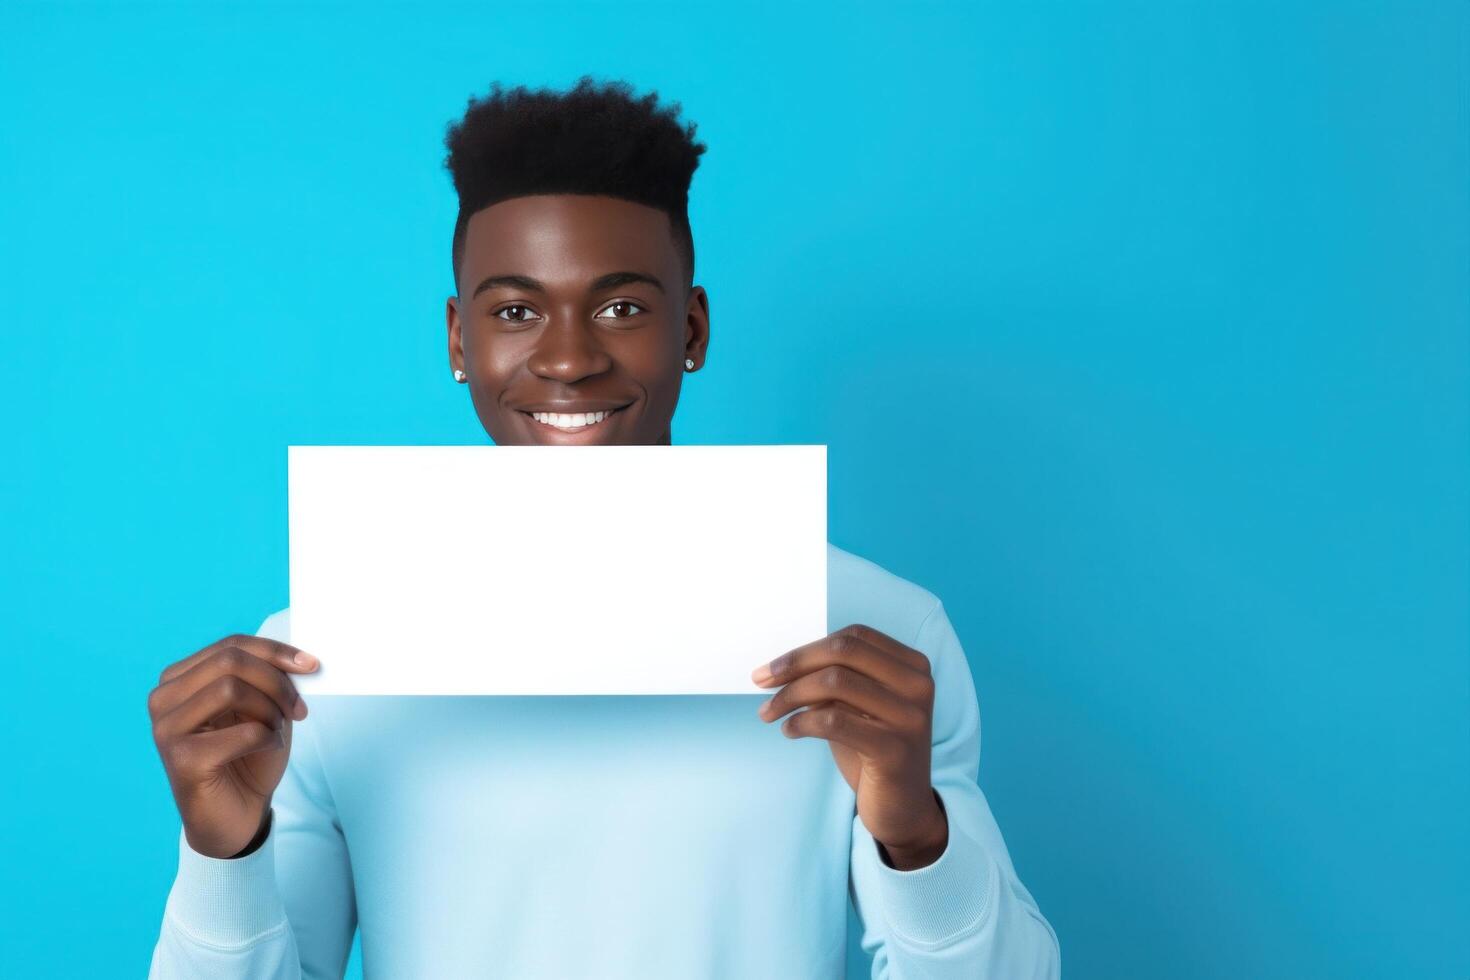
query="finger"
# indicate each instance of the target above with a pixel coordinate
(837, 682)
(229, 660)
(225, 745)
(835, 723)
(228, 692)
(859, 647)
(282, 655)
(913, 659)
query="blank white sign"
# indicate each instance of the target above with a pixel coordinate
(554, 569)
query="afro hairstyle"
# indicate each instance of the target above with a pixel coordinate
(590, 139)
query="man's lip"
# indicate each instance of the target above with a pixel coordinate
(576, 433)
(572, 408)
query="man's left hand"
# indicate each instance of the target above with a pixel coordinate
(872, 698)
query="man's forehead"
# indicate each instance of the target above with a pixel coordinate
(552, 228)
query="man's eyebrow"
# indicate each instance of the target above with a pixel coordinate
(513, 282)
(613, 279)
(607, 281)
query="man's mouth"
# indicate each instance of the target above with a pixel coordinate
(572, 421)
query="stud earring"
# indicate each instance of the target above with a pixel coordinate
(460, 376)
(689, 364)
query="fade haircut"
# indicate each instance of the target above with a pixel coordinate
(590, 139)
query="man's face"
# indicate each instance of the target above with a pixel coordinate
(572, 305)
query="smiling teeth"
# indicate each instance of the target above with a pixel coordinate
(578, 420)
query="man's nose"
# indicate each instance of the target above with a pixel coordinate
(567, 351)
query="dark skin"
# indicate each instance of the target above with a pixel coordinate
(534, 330)
(573, 305)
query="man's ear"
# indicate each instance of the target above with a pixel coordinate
(696, 326)
(456, 345)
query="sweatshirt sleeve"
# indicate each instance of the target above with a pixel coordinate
(286, 911)
(967, 914)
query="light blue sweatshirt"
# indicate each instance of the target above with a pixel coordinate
(607, 836)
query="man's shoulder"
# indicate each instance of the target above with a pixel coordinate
(277, 626)
(860, 590)
(853, 572)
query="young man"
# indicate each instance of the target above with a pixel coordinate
(596, 836)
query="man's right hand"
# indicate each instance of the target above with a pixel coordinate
(222, 723)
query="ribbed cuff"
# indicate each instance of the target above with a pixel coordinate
(227, 902)
(932, 905)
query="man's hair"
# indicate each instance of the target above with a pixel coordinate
(590, 139)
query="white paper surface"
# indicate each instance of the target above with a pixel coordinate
(554, 569)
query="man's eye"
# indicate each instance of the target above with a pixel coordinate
(514, 319)
(623, 304)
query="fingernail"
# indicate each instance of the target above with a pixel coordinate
(299, 712)
(761, 674)
(305, 659)
(764, 705)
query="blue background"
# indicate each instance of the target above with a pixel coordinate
(1138, 333)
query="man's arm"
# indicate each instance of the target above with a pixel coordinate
(284, 911)
(966, 914)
